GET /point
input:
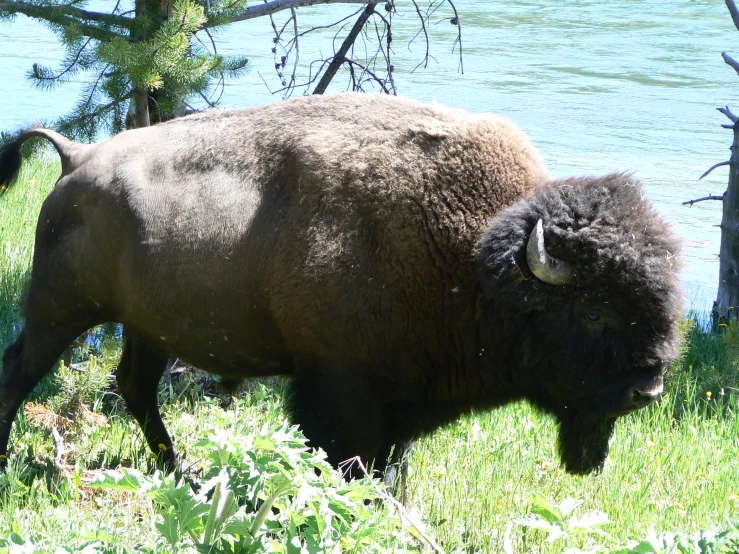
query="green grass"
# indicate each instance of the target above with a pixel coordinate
(478, 484)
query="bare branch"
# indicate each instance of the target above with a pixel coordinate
(709, 197)
(334, 24)
(734, 12)
(425, 61)
(340, 56)
(385, 54)
(731, 61)
(728, 114)
(458, 23)
(42, 12)
(311, 77)
(713, 167)
(274, 6)
(297, 47)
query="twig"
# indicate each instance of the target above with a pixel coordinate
(334, 24)
(458, 23)
(311, 77)
(94, 87)
(297, 47)
(340, 56)
(731, 61)
(714, 167)
(734, 12)
(425, 61)
(367, 70)
(728, 114)
(710, 197)
(276, 42)
(66, 69)
(397, 505)
(385, 54)
(222, 82)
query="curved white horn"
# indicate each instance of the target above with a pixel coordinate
(545, 267)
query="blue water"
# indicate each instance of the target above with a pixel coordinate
(598, 85)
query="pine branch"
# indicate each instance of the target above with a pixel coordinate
(70, 125)
(53, 16)
(44, 11)
(46, 79)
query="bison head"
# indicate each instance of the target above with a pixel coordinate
(582, 306)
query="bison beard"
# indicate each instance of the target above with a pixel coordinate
(583, 442)
(403, 263)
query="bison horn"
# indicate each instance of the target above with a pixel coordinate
(545, 267)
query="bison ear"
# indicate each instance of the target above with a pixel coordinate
(505, 276)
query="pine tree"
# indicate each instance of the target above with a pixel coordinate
(149, 57)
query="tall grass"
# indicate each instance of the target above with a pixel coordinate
(673, 466)
(18, 214)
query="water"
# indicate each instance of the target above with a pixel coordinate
(598, 85)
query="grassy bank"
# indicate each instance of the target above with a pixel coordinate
(490, 483)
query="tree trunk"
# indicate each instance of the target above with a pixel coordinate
(141, 108)
(727, 302)
(138, 109)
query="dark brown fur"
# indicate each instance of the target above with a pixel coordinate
(368, 246)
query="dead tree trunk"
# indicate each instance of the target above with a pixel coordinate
(727, 301)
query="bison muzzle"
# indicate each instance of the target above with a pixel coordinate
(403, 263)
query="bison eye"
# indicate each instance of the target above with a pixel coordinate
(592, 315)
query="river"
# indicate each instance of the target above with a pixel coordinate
(598, 85)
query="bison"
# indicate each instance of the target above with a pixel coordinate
(403, 263)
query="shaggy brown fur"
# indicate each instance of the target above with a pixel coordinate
(342, 240)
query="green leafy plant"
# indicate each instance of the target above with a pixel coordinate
(702, 542)
(267, 493)
(559, 521)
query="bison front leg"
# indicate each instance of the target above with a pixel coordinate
(339, 415)
(392, 461)
(139, 372)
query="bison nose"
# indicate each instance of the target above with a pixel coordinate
(643, 394)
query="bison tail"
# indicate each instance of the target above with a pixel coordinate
(11, 157)
(10, 164)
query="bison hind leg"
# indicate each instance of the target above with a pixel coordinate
(139, 372)
(29, 359)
